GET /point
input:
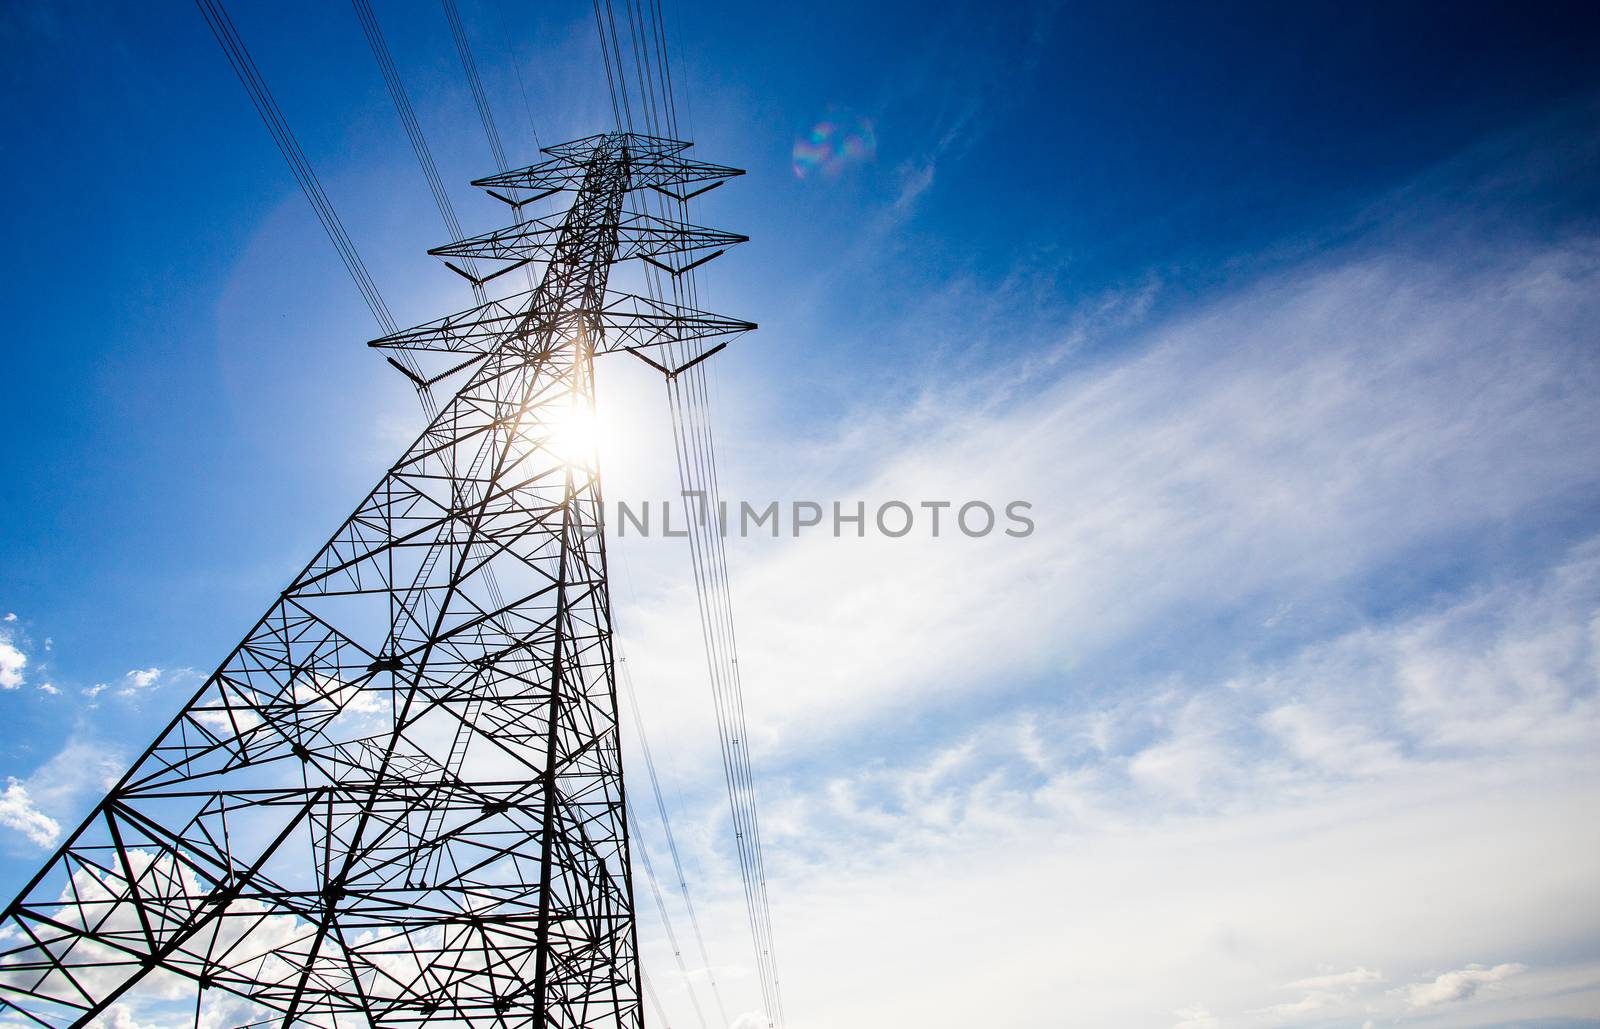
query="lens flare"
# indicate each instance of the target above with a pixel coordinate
(838, 141)
(578, 436)
(572, 434)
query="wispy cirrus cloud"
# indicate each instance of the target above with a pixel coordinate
(1147, 896)
(1461, 984)
(140, 680)
(1271, 458)
(1321, 992)
(1307, 609)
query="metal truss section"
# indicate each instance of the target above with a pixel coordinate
(669, 174)
(638, 145)
(627, 322)
(477, 330)
(634, 323)
(638, 235)
(399, 800)
(655, 163)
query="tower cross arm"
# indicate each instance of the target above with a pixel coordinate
(633, 323)
(638, 235)
(625, 321)
(650, 171)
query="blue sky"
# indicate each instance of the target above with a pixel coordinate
(1282, 318)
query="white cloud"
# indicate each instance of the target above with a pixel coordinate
(1196, 1017)
(11, 616)
(1193, 761)
(1263, 459)
(18, 812)
(1325, 741)
(76, 776)
(120, 1016)
(1135, 915)
(12, 662)
(1253, 797)
(48, 688)
(1188, 838)
(239, 720)
(139, 680)
(1325, 993)
(1143, 838)
(1461, 984)
(1337, 980)
(260, 944)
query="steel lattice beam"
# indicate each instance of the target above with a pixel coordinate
(399, 800)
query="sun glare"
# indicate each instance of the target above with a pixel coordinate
(578, 435)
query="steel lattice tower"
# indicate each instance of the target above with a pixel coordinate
(399, 800)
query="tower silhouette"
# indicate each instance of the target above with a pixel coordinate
(399, 800)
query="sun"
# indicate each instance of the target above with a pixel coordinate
(578, 435)
(568, 429)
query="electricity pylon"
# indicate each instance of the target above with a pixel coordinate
(399, 800)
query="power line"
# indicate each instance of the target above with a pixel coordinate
(502, 883)
(430, 171)
(469, 65)
(666, 920)
(261, 98)
(625, 120)
(695, 453)
(690, 430)
(408, 119)
(672, 843)
(650, 992)
(605, 53)
(266, 106)
(516, 66)
(480, 98)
